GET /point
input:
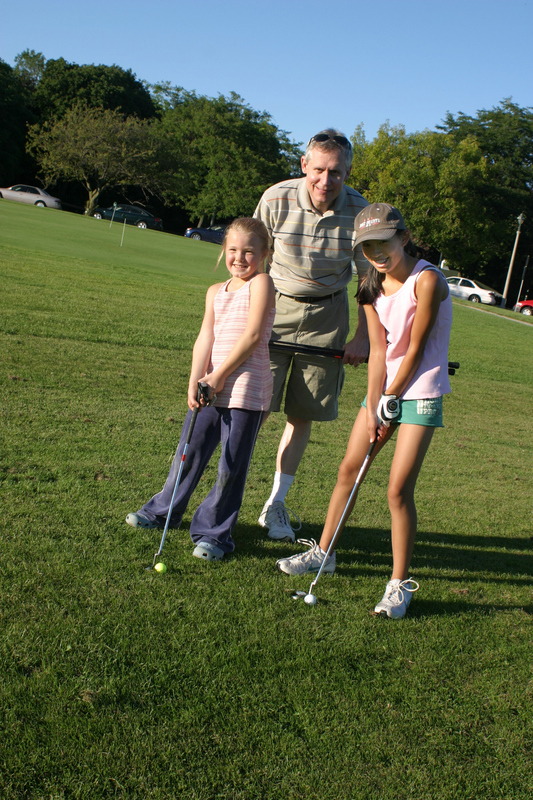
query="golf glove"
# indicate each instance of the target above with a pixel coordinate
(388, 409)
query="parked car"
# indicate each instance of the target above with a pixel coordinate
(134, 215)
(31, 195)
(215, 233)
(474, 291)
(524, 307)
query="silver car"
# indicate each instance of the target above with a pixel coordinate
(474, 291)
(31, 195)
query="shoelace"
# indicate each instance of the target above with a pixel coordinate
(313, 549)
(402, 587)
(283, 517)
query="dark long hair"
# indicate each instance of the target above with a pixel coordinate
(372, 284)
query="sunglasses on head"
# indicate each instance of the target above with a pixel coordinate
(325, 137)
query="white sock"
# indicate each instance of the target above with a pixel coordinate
(282, 484)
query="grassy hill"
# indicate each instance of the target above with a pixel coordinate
(210, 681)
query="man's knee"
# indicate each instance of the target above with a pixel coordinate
(300, 426)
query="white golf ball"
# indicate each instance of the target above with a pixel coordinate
(310, 599)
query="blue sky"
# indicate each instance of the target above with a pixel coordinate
(308, 64)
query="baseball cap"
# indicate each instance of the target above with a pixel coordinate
(378, 221)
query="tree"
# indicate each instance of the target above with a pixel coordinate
(62, 85)
(220, 153)
(15, 116)
(446, 187)
(504, 136)
(29, 67)
(98, 148)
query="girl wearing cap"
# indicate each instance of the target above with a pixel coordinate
(409, 314)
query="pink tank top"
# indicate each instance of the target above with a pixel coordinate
(250, 385)
(396, 314)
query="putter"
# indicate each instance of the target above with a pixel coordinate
(203, 392)
(310, 598)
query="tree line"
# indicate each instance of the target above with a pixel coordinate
(98, 131)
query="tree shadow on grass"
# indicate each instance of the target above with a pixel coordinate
(365, 551)
(438, 608)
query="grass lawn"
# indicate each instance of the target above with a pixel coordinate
(210, 682)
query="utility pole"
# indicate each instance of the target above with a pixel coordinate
(522, 281)
(520, 220)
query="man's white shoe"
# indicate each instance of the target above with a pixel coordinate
(275, 517)
(396, 599)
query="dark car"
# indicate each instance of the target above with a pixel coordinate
(524, 307)
(214, 234)
(31, 195)
(134, 215)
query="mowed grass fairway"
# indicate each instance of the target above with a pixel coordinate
(210, 682)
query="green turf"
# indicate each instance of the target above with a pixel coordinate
(210, 682)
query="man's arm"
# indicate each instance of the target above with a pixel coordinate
(356, 350)
(262, 213)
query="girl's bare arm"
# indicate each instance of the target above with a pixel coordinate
(377, 369)
(203, 345)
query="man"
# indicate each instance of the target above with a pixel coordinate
(311, 222)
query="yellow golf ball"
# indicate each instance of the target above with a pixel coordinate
(160, 567)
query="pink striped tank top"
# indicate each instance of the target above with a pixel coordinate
(250, 385)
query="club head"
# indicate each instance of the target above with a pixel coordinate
(297, 595)
(154, 562)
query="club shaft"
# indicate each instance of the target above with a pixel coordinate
(331, 352)
(178, 479)
(306, 349)
(347, 510)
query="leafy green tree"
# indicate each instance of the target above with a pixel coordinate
(29, 67)
(219, 153)
(62, 85)
(97, 148)
(14, 164)
(504, 136)
(446, 187)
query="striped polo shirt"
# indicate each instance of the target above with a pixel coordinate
(313, 252)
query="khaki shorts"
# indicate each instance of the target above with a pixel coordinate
(312, 383)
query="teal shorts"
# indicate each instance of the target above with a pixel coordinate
(420, 412)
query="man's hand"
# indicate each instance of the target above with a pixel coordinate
(356, 350)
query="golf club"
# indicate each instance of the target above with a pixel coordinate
(309, 349)
(203, 392)
(331, 352)
(310, 598)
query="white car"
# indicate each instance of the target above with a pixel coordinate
(474, 291)
(31, 195)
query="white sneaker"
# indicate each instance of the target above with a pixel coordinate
(311, 561)
(276, 518)
(396, 599)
